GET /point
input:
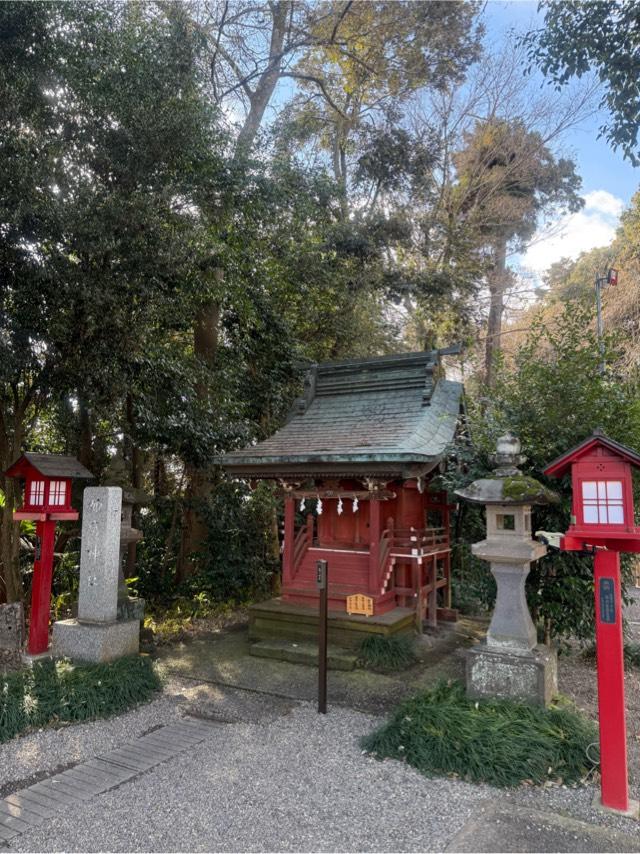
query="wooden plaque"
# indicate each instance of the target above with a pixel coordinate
(360, 604)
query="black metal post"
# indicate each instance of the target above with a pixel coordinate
(600, 280)
(323, 618)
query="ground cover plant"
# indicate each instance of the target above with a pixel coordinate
(387, 654)
(499, 742)
(54, 692)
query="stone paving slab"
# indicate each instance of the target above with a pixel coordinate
(519, 829)
(30, 807)
(73, 787)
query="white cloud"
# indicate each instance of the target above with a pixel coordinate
(568, 236)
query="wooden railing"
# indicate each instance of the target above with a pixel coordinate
(384, 549)
(384, 558)
(420, 538)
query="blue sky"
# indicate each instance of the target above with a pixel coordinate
(608, 180)
(599, 165)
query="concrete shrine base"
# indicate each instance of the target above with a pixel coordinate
(95, 642)
(279, 620)
(529, 677)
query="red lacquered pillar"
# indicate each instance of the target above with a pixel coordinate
(611, 706)
(289, 538)
(375, 531)
(41, 587)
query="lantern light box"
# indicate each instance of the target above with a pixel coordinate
(48, 480)
(602, 487)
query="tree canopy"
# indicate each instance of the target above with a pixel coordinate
(601, 37)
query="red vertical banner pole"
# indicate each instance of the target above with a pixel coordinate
(41, 587)
(611, 704)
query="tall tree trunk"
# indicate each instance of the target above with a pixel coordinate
(206, 331)
(11, 588)
(194, 531)
(136, 461)
(268, 80)
(85, 444)
(497, 288)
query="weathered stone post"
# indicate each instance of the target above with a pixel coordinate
(510, 663)
(97, 634)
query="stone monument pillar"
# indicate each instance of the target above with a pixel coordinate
(510, 663)
(97, 634)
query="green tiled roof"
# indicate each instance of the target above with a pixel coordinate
(384, 416)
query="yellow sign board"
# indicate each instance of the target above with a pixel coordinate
(360, 604)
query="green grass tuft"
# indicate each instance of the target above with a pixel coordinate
(387, 654)
(442, 732)
(50, 692)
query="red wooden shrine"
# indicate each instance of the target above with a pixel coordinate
(47, 499)
(394, 547)
(603, 523)
(355, 462)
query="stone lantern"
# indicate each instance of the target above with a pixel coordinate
(510, 663)
(129, 608)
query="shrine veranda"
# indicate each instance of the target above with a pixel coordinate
(356, 463)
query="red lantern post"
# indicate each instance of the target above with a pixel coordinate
(47, 500)
(603, 523)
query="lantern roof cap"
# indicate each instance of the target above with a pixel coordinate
(563, 463)
(49, 465)
(515, 489)
(508, 485)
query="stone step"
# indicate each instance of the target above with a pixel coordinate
(304, 653)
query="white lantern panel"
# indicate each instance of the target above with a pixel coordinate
(614, 489)
(36, 492)
(57, 493)
(591, 514)
(616, 514)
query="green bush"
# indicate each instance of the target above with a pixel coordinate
(237, 561)
(387, 654)
(442, 732)
(50, 692)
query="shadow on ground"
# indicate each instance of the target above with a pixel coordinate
(224, 659)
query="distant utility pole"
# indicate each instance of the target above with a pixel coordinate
(611, 278)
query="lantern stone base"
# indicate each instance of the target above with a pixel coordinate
(95, 642)
(529, 677)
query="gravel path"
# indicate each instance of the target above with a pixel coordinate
(276, 776)
(299, 783)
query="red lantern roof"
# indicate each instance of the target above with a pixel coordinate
(48, 465)
(563, 463)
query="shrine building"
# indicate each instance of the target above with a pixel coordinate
(355, 462)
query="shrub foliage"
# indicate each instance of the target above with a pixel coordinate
(497, 742)
(52, 692)
(387, 654)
